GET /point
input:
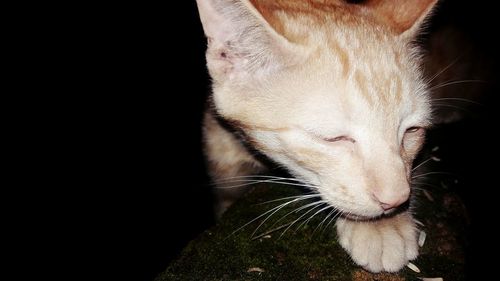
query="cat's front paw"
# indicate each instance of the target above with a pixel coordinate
(384, 245)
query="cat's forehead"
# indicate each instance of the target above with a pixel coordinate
(320, 94)
(340, 108)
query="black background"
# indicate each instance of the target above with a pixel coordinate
(148, 155)
(161, 191)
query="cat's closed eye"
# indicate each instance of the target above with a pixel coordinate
(340, 138)
(413, 129)
(413, 139)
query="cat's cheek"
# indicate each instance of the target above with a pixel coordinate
(355, 205)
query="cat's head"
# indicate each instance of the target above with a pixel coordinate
(332, 92)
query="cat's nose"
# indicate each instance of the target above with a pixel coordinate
(388, 200)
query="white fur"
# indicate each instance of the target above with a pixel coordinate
(385, 245)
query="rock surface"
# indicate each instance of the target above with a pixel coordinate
(284, 248)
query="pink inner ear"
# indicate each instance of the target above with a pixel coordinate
(214, 25)
(240, 41)
(401, 15)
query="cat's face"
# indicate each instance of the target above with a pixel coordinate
(344, 110)
(354, 138)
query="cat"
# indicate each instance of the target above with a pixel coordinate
(333, 92)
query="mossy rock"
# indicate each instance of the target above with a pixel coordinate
(308, 249)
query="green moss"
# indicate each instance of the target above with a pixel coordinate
(308, 252)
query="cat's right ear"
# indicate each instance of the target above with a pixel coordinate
(404, 17)
(241, 43)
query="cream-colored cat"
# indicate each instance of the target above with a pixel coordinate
(332, 92)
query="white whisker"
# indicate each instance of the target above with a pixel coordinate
(291, 197)
(458, 99)
(450, 106)
(424, 184)
(444, 69)
(274, 212)
(265, 213)
(271, 231)
(296, 211)
(338, 214)
(319, 203)
(431, 173)
(422, 163)
(324, 220)
(246, 183)
(254, 177)
(454, 83)
(334, 218)
(304, 223)
(252, 182)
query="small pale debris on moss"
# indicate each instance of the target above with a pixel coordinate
(255, 269)
(413, 267)
(421, 238)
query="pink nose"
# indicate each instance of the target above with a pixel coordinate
(390, 201)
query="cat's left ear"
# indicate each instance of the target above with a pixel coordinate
(404, 17)
(241, 43)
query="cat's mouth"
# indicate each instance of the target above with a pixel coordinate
(387, 213)
(360, 217)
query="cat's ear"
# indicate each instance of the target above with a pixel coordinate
(241, 43)
(404, 17)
